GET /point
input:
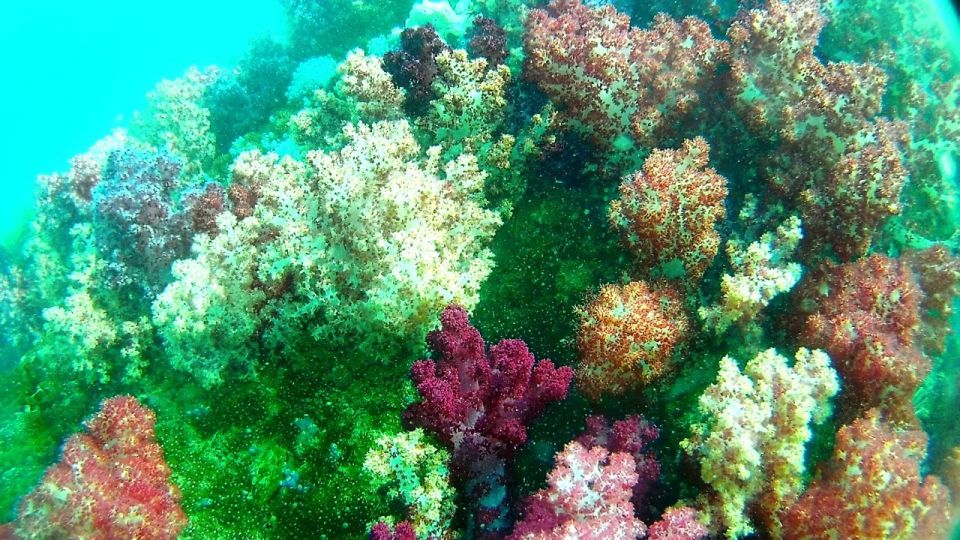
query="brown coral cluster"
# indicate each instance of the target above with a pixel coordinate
(872, 488)
(842, 164)
(667, 211)
(866, 316)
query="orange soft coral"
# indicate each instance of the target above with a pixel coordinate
(627, 336)
(872, 488)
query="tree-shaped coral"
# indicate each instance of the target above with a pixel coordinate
(110, 483)
(479, 403)
(751, 444)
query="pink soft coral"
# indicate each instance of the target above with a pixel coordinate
(588, 498)
(110, 483)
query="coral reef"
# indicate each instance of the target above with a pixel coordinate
(265, 259)
(627, 337)
(751, 444)
(667, 211)
(110, 483)
(479, 403)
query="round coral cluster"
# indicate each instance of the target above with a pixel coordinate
(666, 211)
(627, 337)
(872, 488)
(866, 315)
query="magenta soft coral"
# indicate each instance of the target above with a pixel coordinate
(112, 482)
(479, 404)
(401, 531)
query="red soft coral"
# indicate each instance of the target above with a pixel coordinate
(618, 85)
(667, 211)
(866, 315)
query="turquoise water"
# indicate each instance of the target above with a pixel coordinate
(438, 269)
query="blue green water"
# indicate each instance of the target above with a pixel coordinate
(77, 70)
(248, 252)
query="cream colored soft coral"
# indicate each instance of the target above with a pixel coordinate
(359, 247)
(470, 105)
(362, 78)
(751, 443)
(416, 474)
(208, 314)
(761, 271)
(406, 236)
(176, 120)
(363, 92)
